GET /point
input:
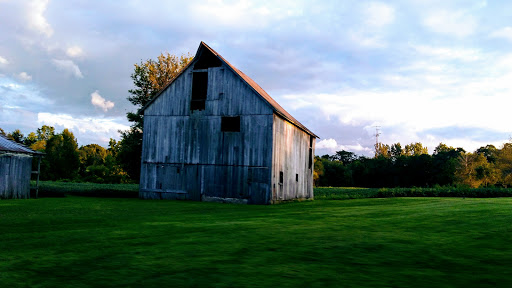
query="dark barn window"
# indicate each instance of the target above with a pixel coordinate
(199, 90)
(281, 177)
(230, 124)
(296, 177)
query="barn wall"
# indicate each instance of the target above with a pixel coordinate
(291, 156)
(187, 156)
(15, 170)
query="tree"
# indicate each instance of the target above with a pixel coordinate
(344, 156)
(415, 149)
(149, 78)
(43, 134)
(16, 136)
(396, 150)
(2, 132)
(30, 139)
(62, 160)
(382, 150)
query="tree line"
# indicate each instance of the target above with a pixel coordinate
(64, 160)
(412, 166)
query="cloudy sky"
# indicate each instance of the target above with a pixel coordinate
(423, 70)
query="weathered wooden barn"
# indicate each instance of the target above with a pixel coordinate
(15, 169)
(213, 134)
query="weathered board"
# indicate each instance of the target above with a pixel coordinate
(15, 171)
(293, 150)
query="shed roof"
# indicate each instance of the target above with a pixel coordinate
(275, 106)
(7, 145)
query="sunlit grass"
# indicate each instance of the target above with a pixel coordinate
(394, 242)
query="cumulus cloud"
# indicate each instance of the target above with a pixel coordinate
(100, 102)
(68, 66)
(35, 18)
(330, 146)
(23, 76)
(74, 51)
(452, 23)
(3, 61)
(504, 33)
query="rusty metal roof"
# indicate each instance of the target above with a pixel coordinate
(7, 145)
(275, 106)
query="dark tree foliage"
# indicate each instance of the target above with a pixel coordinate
(395, 168)
(62, 159)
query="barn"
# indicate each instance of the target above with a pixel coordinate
(213, 134)
(15, 169)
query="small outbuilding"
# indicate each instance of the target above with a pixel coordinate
(213, 134)
(15, 169)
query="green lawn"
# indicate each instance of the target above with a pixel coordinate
(123, 242)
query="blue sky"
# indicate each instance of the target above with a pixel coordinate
(424, 71)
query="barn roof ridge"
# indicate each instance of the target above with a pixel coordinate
(7, 145)
(280, 111)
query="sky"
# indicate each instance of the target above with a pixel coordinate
(418, 70)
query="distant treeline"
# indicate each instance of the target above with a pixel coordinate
(64, 160)
(412, 166)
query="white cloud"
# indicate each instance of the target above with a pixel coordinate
(74, 51)
(86, 129)
(23, 76)
(35, 18)
(378, 14)
(100, 102)
(245, 14)
(452, 23)
(331, 146)
(68, 66)
(504, 33)
(3, 61)
(446, 53)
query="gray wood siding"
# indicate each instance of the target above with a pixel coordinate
(187, 156)
(15, 170)
(291, 156)
(227, 95)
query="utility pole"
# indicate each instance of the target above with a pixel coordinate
(377, 134)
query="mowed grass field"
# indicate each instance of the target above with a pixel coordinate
(123, 242)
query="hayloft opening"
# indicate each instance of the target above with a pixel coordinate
(281, 177)
(199, 90)
(230, 124)
(207, 59)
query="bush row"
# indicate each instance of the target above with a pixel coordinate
(333, 193)
(60, 189)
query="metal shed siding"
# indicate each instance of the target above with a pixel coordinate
(15, 170)
(291, 156)
(187, 156)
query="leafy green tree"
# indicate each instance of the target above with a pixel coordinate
(396, 150)
(318, 170)
(62, 159)
(344, 156)
(415, 149)
(382, 150)
(30, 139)
(16, 136)
(149, 78)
